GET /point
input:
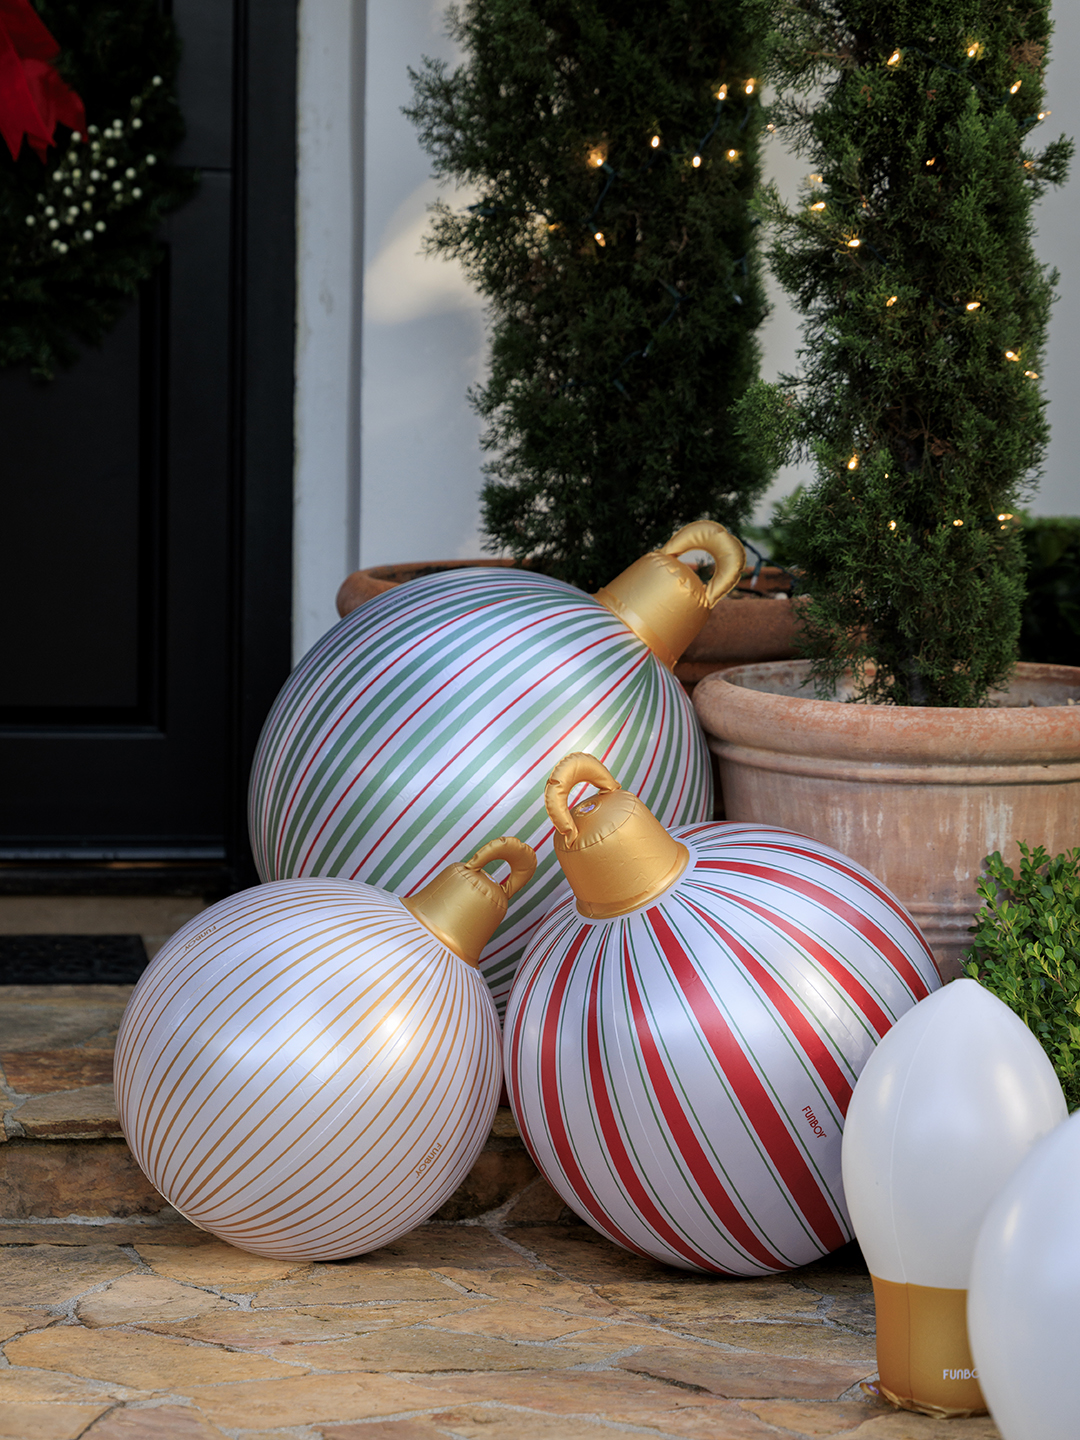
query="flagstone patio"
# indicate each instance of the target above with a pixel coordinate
(504, 1319)
(153, 1330)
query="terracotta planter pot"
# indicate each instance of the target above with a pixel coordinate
(745, 626)
(364, 585)
(756, 621)
(918, 796)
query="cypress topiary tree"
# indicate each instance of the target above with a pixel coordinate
(919, 396)
(614, 146)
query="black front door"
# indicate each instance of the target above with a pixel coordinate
(145, 503)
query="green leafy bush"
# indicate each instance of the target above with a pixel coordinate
(1027, 951)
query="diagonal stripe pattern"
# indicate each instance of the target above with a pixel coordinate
(305, 1071)
(681, 1074)
(433, 715)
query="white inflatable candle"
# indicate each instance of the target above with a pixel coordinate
(1024, 1296)
(947, 1106)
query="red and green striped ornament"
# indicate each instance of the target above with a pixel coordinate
(680, 1053)
(436, 710)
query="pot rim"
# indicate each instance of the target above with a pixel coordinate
(1045, 731)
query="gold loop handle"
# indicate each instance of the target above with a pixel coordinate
(520, 857)
(728, 555)
(570, 771)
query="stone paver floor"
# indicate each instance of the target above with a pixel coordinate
(142, 1331)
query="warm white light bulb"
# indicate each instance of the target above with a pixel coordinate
(732, 154)
(1011, 355)
(973, 305)
(853, 463)
(854, 243)
(655, 142)
(949, 1103)
(894, 59)
(892, 300)
(1015, 86)
(696, 161)
(818, 205)
(750, 86)
(892, 524)
(598, 236)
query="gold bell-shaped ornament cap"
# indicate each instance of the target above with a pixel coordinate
(662, 600)
(613, 850)
(463, 906)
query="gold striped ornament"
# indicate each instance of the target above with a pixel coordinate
(309, 1068)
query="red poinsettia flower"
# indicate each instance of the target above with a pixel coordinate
(33, 97)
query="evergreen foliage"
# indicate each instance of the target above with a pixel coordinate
(622, 276)
(111, 54)
(1026, 950)
(1050, 628)
(919, 400)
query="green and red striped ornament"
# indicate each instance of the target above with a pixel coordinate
(680, 1065)
(436, 710)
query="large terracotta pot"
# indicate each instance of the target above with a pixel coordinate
(756, 621)
(917, 795)
(363, 585)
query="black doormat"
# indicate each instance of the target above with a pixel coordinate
(71, 959)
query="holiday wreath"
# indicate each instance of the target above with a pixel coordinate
(88, 115)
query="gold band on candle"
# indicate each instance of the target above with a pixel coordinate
(924, 1358)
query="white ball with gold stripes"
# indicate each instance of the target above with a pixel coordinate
(306, 1071)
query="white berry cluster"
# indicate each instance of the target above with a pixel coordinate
(102, 172)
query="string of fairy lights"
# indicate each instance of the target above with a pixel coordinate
(854, 242)
(597, 158)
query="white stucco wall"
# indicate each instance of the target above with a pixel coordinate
(388, 464)
(423, 324)
(329, 213)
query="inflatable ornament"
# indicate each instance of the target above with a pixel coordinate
(309, 1068)
(1024, 1293)
(946, 1108)
(445, 701)
(682, 1040)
